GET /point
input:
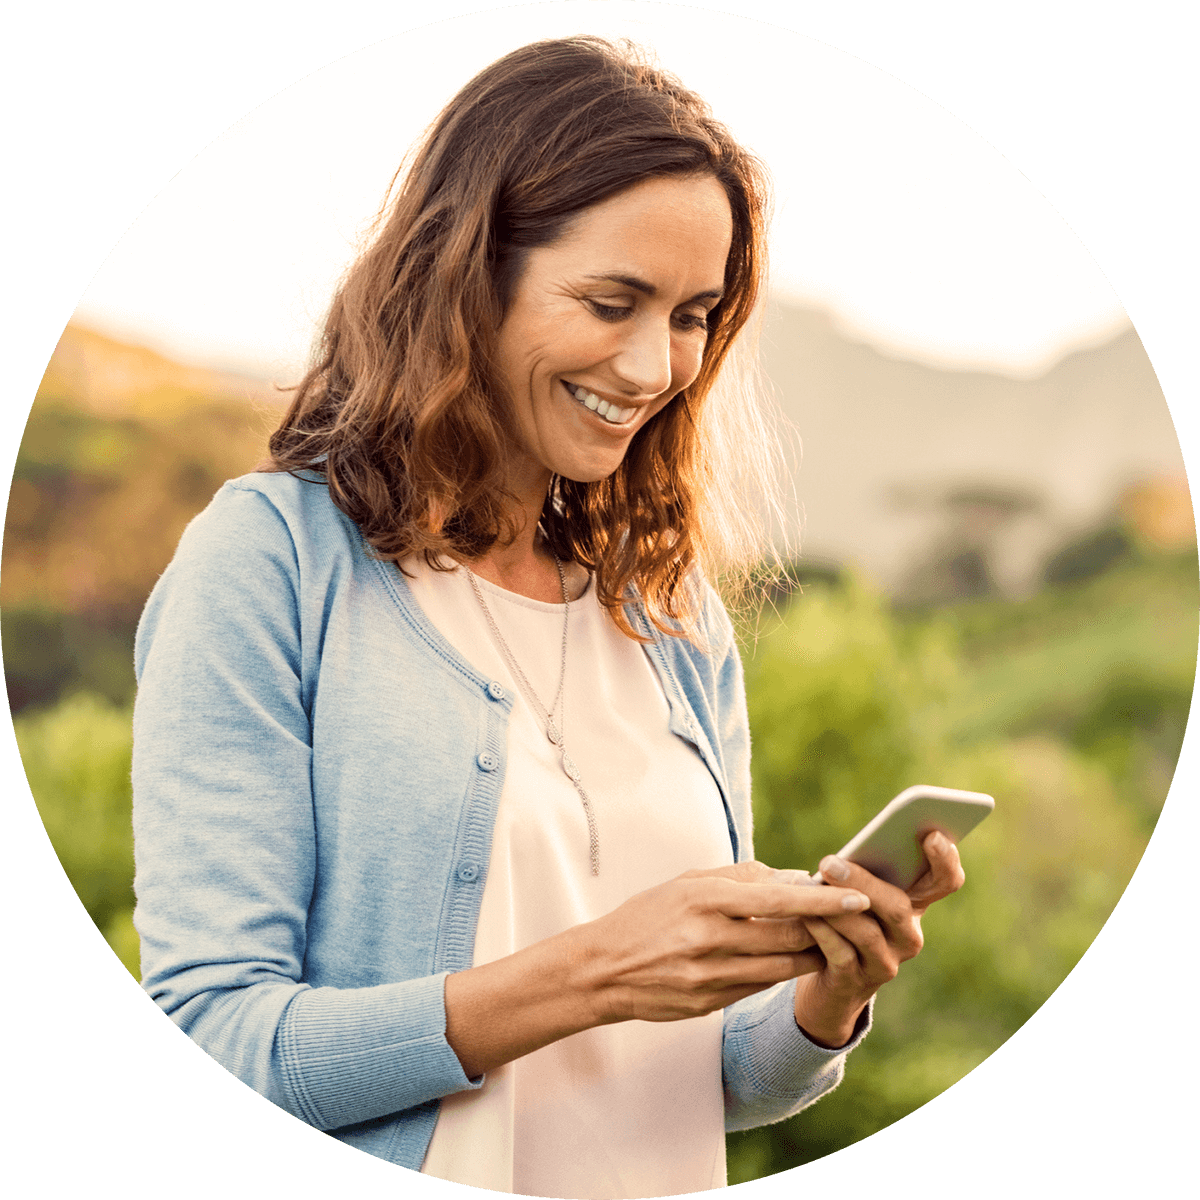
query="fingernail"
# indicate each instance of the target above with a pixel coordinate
(835, 868)
(855, 902)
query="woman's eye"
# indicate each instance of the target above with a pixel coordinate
(610, 312)
(687, 321)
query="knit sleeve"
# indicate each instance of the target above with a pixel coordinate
(771, 1070)
(226, 845)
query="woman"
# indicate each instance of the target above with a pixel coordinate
(441, 759)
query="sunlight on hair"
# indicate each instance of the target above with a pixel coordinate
(749, 453)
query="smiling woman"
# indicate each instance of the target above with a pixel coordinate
(440, 772)
(540, 158)
(587, 357)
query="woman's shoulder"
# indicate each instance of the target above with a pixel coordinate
(260, 532)
(293, 494)
(263, 506)
(266, 547)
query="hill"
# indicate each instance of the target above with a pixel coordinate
(122, 448)
(904, 464)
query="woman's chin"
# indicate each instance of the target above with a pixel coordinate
(590, 473)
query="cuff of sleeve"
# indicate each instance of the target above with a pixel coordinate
(356, 1054)
(861, 1028)
(780, 1057)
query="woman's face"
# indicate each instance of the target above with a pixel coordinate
(607, 324)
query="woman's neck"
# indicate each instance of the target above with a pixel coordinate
(526, 565)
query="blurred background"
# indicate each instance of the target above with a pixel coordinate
(997, 583)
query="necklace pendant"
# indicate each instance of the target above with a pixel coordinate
(569, 766)
(553, 732)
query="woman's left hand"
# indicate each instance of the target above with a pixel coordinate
(864, 950)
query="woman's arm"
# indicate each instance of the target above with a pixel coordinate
(226, 839)
(679, 950)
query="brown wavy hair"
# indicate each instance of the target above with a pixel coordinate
(403, 413)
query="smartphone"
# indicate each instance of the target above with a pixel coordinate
(889, 845)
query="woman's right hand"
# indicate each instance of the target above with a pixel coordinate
(687, 947)
(707, 939)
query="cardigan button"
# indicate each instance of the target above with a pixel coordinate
(468, 872)
(488, 761)
(495, 690)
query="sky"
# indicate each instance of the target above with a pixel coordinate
(890, 212)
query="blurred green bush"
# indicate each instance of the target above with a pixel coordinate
(77, 757)
(1068, 707)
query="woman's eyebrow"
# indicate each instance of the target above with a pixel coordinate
(648, 289)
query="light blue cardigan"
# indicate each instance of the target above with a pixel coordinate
(316, 773)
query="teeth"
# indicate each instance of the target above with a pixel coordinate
(610, 412)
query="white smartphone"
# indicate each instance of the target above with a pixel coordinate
(889, 845)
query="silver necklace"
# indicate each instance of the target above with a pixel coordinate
(554, 730)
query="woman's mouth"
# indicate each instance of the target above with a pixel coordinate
(602, 408)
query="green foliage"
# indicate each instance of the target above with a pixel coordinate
(850, 703)
(77, 758)
(845, 709)
(49, 654)
(67, 448)
(1107, 666)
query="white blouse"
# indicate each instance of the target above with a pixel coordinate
(626, 1110)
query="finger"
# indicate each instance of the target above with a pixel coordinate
(860, 949)
(766, 935)
(795, 877)
(755, 970)
(891, 907)
(752, 872)
(880, 949)
(810, 961)
(888, 903)
(780, 900)
(767, 970)
(840, 953)
(945, 875)
(743, 872)
(945, 864)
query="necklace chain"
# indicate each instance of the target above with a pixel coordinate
(554, 732)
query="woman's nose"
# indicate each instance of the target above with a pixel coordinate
(644, 359)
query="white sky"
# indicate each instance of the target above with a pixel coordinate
(891, 212)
